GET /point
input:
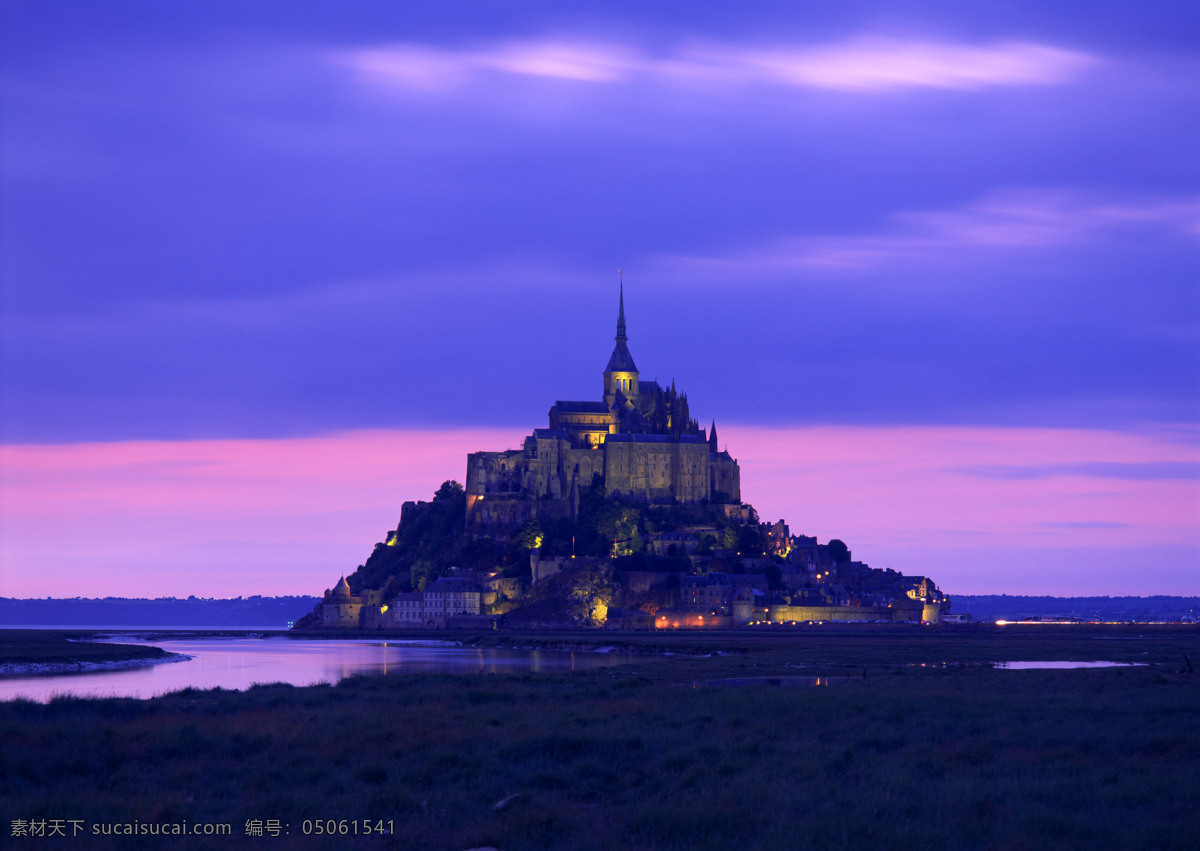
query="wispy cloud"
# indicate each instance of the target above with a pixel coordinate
(1155, 471)
(865, 63)
(423, 67)
(291, 514)
(212, 517)
(1004, 220)
(873, 62)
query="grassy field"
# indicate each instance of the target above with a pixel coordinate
(915, 743)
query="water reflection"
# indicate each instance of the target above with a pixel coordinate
(240, 662)
(1016, 666)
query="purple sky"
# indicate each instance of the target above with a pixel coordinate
(270, 269)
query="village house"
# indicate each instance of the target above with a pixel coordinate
(445, 598)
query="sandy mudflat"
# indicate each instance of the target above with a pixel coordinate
(26, 669)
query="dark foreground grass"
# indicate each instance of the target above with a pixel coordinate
(641, 756)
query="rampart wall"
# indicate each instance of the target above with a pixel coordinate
(859, 614)
(691, 620)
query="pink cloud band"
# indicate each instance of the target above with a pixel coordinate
(865, 63)
(231, 517)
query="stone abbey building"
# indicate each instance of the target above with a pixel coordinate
(639, 443)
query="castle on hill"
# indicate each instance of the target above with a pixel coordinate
(640, 443)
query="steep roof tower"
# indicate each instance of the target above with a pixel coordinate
(621, 374)
(621, 360)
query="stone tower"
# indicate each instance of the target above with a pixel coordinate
(621, 374)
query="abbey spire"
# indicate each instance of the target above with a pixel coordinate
(621, 338)
(621, 374)
(621, 360)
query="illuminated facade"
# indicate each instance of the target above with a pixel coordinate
(708, 593)
(641, 443)
(445, 598)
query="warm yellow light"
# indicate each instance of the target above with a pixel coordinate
(383, 610)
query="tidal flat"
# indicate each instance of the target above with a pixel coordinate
(32, 651)
(916, 741)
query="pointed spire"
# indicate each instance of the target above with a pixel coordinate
(712, 437)
(621, 360)
(621, 338)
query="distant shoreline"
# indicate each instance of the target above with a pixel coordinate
(164, 613)
(37, 669)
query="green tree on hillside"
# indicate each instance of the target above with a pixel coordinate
(531, 535)
(423, 573)
(589, 592)
(729, 538)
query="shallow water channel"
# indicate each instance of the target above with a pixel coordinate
(1027, 666)
(240, 662)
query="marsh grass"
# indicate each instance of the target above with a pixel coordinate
(646, 756)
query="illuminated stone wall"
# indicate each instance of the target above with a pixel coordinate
(691, 620)
(691, 473)
(726, 476)
(786, 614)
(490, 473)
(342, 613)
(582, 464)
(496, 515)
(625, 383)
(656, 468)
(587, 428)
